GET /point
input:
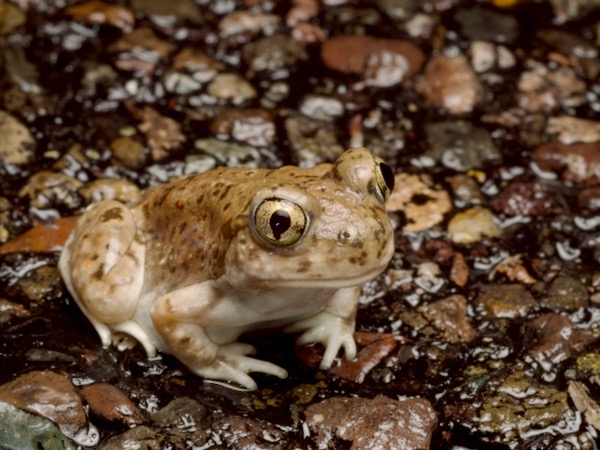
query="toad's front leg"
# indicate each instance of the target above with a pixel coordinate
(183, 317)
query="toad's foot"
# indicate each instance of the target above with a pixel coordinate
(332, 331)
(233, 364)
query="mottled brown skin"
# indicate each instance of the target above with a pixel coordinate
(192, 266)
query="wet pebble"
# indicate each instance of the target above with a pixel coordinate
(422, 205)
(128, 152)
(589, 198)
(10, 310)
(565, 293)
(322, 107)
(41, 285)
(465, 190)
(111, 404)
(229, 153)
(524, 199)
(186, 415)
(17, 145)
(26, 431)
(169, 13)
(450, 83)
(51, 395)
(11, 18)
(551, 339)
(274, 55)
(312, 141)
(574, 163)
(479, 23)
(48, 189)
(460, 145)
(201, 67)
(585, 403)
(96, 12)
(505, 301)
(370, 424)
(544, 90)
(245, 25)
(240, 433)
(380, 62)
(449, 315)
(163, 134)
(572, 130)
(251, 126)
(122, 190)
(140, 51)
(472, 226)
(486, 56)
(231, 87)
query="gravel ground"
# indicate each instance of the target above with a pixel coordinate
(484, 330)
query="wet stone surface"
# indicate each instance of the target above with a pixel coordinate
(483, 332)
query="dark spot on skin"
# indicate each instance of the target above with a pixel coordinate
(420, 199)
(182, 226)
(353, 260)
(98, 274)
(304, 265)
(226, 206)
(200, 199)
(179, 204)
(225, 192)
(111, 214)
(358, 243)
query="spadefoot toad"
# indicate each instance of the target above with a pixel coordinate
(203, 259)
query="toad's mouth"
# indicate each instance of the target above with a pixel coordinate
(269, 280)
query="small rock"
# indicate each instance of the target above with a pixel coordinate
(147, 438)
(572, 130)
(472, 226)
(371, 424)
(422, 205)
(111, 404)
(241, 433)
(551, 339)
(140, 51)
(376, 347)
(486, 56)
(276, 55)
(524, 199)
(52, 396)
(459, 145)
(380, 62)
(231, 87)
(589, 198)
(575, 162)
(22, 430)
(41, 238)
(312, 141)
(322, 107)
(513, 268)
(565, 293)
(169, 13)
(450, 83)
(42, 284)
(163, 134)
(229, 153)
(9, 310)
(543, 90)
(450, 316)
(465, 189)
(505, 301)
(459, 272)
(11, 18)
(200, 66)
(585, 404)
(129, 152)
(248, 24)
(123, 191)
(22, 73)
(252, 126)
(484, 24)
(185, 414)
(48, 189)
(17, 145)
(95, 12)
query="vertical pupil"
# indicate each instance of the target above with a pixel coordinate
(388, 175)
(279, 222)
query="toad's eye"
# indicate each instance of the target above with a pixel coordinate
(279, 222)
(384, 179)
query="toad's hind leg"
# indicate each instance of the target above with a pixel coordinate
(102, 265)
